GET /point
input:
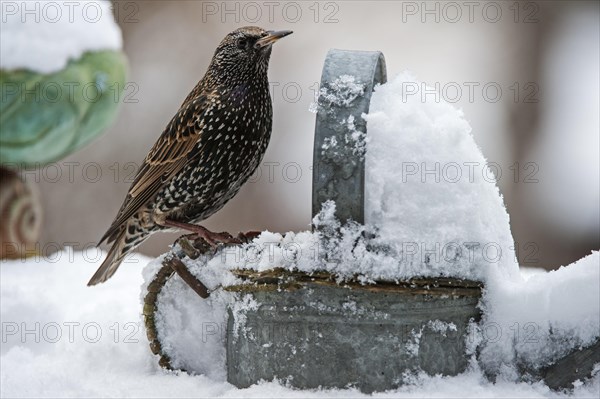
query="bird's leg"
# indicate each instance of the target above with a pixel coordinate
(209, 236)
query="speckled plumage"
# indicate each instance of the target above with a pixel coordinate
(207, 151)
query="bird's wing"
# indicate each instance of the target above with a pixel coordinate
(167, 157)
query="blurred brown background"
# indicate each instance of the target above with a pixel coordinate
(547, 122)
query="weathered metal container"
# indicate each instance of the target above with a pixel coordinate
(311, 332)
(317, 333)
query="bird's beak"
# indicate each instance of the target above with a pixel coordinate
(272, 37)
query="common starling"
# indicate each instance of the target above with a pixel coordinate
(207, 152)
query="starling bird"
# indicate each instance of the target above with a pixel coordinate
(207, 152)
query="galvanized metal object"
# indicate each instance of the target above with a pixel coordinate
(342, 178)
(323, 334)
(575, 366)
(320, 334)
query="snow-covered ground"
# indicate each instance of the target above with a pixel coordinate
(63, 339)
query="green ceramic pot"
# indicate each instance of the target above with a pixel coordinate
(45, 117)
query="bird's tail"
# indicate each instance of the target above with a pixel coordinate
(123, 243)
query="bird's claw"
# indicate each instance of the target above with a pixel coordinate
(205, 241)
(214, 240)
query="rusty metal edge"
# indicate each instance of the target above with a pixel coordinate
(283, 279)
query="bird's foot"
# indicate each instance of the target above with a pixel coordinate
(210, 237)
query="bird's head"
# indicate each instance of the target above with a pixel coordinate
(245, 51)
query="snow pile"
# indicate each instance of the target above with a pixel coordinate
(340, 250)
(533, 323)
(345, 251)
(44, 36)
(429, 195)
(432, 207)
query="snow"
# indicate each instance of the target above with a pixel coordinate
(341, 92)
(44, 36)
(539, 320)
(429, 195)
(53, 290)
(342, 250)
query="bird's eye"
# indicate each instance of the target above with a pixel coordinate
(242, 43)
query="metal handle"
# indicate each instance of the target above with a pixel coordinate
(338, 163)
